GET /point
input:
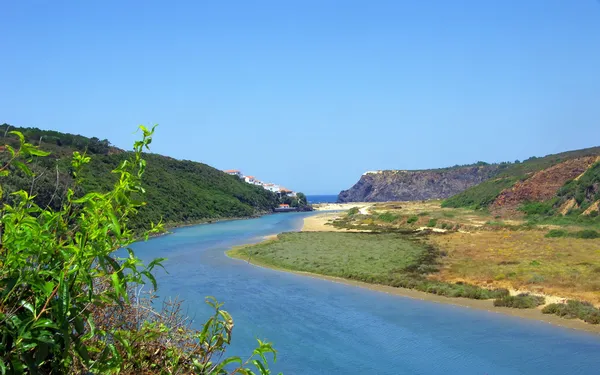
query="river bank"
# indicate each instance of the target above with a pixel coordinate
(319, 223)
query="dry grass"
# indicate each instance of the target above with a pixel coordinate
(496, 252)
(568, 267)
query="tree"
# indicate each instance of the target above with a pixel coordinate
(68, 303)
(302, 199)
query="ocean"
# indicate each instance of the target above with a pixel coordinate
(314, 199)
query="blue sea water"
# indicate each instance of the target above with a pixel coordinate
(314, 199)
(322, 327)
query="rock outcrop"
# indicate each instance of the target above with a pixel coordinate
(397, 185)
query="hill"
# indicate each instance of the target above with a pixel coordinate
(570, 179)
(534, 180)
(395, 185)
(179, 191)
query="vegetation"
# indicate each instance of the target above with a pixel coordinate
(482, 195)
(538, 208)
(584, 234)
(412, 219)
(574, 309)
(177, 191)
(69, 304)
(521, 301)
(584, 190)
(380, 258)
(432, 223)
(498, 253)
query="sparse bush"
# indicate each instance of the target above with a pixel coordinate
(574, 309)
(538, 208)
(521, 301)
(353, 211)
(412, 219)
(423, 213)
(587, 234)
(536, 279)
(556, 233)
(388, 217)
(432, 223)
(594, 214)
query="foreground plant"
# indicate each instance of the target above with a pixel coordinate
(68, 302)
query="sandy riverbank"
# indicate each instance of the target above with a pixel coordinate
(340, 206)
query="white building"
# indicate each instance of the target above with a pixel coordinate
(234, 172)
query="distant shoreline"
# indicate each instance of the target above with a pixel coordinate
(317, 223)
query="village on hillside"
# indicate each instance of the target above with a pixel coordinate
(266, 185)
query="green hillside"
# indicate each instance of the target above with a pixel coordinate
(482, 195)
(179, 191)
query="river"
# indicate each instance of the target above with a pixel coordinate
(322, 327)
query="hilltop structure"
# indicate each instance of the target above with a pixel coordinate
(265, 185)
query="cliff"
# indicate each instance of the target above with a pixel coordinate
(396, 185)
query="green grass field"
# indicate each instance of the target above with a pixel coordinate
(380, 258)
(352, 255)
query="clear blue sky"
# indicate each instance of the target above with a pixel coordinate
(310, 94)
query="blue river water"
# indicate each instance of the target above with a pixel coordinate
(322, 327)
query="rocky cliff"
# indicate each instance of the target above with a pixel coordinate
(396, 185)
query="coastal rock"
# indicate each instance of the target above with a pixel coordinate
(398, 185)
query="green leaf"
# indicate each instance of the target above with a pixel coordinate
(150, 277)
(116, 283)
(18, 134)
(22, 166)
(37, 152)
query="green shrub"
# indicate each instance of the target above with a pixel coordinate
(587, 234)
(574, 309)
(423, 213)
(555, 233)
(594, 214)
(538, 208)
(353, 211)
(388, 217)
(68, 302)
(412, 219)
(521, 301)
(432, 223)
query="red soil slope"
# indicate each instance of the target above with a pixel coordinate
(543, 185)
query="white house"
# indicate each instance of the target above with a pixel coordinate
(234, 172)
(271, 187)
(250, 180)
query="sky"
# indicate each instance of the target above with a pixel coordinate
(310, 94)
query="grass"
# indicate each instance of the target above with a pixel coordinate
(380, 258)
(520, 301)
(553, 255)
(564, 266)
(482, 195)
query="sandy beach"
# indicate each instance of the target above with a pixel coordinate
(341, 206)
